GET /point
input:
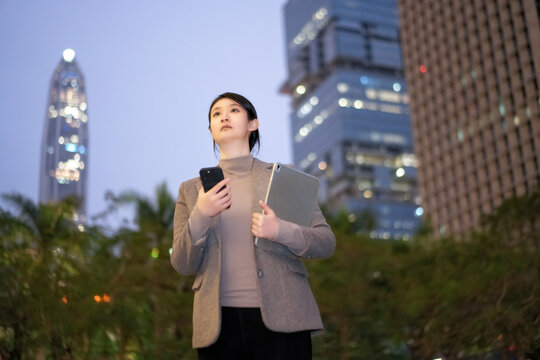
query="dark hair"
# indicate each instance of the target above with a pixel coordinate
(251, 113)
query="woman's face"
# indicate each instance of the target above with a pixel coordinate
(229, 122)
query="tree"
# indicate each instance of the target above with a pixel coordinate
(43, 253)
(164, 299)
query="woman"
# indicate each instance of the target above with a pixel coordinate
(250, 302)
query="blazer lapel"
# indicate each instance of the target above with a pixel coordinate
(259, 183)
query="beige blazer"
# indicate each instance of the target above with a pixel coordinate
(287, 303)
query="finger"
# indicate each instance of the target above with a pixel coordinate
(257, 220)
(222, 194)
(219, 185)
(267, 209)
(224, 200)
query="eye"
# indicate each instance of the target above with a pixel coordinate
(215, 114)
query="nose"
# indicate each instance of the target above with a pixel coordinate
(225, 117)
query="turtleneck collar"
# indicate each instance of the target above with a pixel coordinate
(237, 166)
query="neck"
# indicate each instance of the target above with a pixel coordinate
(231, 151)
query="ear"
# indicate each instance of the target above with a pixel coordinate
(253, 124)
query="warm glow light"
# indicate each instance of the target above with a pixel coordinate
(322, 165)
(68, 55)
(97, 298)
(423, 69)
(64, 299)
(106, 298)
(368, 194)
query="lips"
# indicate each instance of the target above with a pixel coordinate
(224, 127)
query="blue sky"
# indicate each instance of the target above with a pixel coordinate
(151, 70)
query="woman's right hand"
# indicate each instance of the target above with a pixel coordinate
(213, 202)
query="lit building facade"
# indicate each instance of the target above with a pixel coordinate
(64, 150)
(473, 70)
(350, 113)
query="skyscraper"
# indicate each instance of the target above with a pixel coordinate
(64, 151)
(350, 112)
(473, 70)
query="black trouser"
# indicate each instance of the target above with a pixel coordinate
(245, 337)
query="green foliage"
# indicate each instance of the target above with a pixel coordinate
(70, 292)
(450, 297)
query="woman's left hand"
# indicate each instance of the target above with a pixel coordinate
(265, 225)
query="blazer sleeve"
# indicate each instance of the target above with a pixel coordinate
(187, 254)
(315, 241)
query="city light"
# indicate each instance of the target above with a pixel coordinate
(358, 104)
(342, 88)
(155, 253)
(105, 298)
(300, 89)
(423, 69)
(400, 172)
(68, 55)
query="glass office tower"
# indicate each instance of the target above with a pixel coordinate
(64, 151)
(350, 113)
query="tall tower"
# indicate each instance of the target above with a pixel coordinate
(473, 69)
(64, 151)
(350, 112)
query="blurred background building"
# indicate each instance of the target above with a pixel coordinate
(473, 71)
(64, 151)
(350, 109)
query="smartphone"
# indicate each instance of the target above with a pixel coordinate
(210, 177)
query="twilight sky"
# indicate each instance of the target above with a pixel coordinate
(151, 69)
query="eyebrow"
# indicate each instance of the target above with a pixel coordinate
(219, 107)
